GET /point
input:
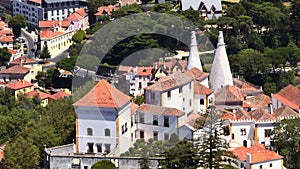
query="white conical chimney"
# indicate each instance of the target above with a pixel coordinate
(194, 58)
(220, 74)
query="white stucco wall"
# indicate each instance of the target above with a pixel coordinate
(261, 127)
(236, 130)
(124, 119)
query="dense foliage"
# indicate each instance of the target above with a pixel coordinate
(104, 164)
(16, 23)
(45, 54)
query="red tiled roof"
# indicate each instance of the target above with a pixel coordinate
(289, 96)
(258, 153)
(240, 114)
(106, 10)
(24, 60)
(261, 115)
(285, 112)
(48, 34)
(6, 39)
(259, 101)
(77, 15)
(165, 83)
(81, 11)
(15, 70)
(50, 24)
(196, 74)
(201, 89)
(2, 147)
(41, 95)
(19, 85)
(144, 71)
(125, 69)
(103, 95)
(193, 118)
(36, 1)
(60, 95)
(147, 108)
(12, 51)
(5, 32)
(229, 94)
(133, 108)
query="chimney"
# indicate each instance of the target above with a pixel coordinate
(248, 157)
(234, 113)
(271, 108)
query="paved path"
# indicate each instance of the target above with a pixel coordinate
(30, 43)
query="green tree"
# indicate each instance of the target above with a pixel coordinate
(104, 164)
(295, 21)
(269, 88)
(138, 100)
(21, 153)
(285, 137)
(67, 63)
(45, 54)
(127, 10)
(79, 36)
(17, 22)
(4, 55)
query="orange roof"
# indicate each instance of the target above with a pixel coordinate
(81, 11)
(193, 118)
(196, 74)
(5, 32)
(15, 70)
(258, 153)
(106, 10)
(289, 96)
(41, 95)
(36, 1)
(133, 107)
(48, 34)
(77, 15)
(228, 95)
(261, 115)
(144, 71)
(19, 85)
(259, 101)
(285, 112)
(124, 69)
(148, 108)
(240, 114)
(12, 51)
(60, 95)
(6, 39)
(104, 95)
(201, 89)
(24, 60)
(49, 23)
(2, 147)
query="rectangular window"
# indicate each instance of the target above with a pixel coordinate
(126, 127)
(123, 129)
(180, 89)
(166, 136)
(243, 132)
(140, 85)
(141, 134)
(166, 121)
(155, 135)
(142, 118)
(169, 94)
(99, 148)
(90, 148)
(155, 120)
(268, 133)
(152, 96)
(107, 148)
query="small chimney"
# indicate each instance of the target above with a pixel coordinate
(248, 157)
(271, 108)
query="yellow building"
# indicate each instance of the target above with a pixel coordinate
(20, 87)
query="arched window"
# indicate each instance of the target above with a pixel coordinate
(107, 132)
(201, 101)
(245, 143)
(90, 132)
(232, 136)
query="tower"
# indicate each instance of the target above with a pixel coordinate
(194, 59)
(220, 74)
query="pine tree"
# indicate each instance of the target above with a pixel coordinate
(212, 147)
(45, 53)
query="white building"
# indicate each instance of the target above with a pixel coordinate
(207, 8)
(176, 91)
(288, 96)
(159, 123)
(38, 10)
(203, 97)
(103, 121)
(140, 78)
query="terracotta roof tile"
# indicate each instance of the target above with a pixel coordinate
(12, 51)
(144, 71)
(259, 101)
(239, 115)
(193, 118)
(2, 147)
(229, 95)
(15, 70)
(147, 108)
(50, 23)
(125, 69)
(41, 95)
(48, 34)
(166, 83)
(24, 60)
(133, 108)
(289, 96)
(36, 1)
(196, 74)
(6, 39)
(247, 87)
(104, 95)
(77, 15)
(19, 85)
(262, 115)
(102, 10)
(258, 153)
(201, 89)
(60, 95)
(285, 112)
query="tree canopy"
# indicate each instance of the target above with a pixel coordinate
(104, 164)
(17, 22)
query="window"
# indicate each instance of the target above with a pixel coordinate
(245, 143)
(85, 167)
(155, 120)
(201, 101)
(243, 132)
(169, 94)
(90, 148)
(268, 133)
(152, 96)
(126, 127)
(99, 148)
(226, 130)
(271, 165)
(242, 165)
(107, 132)
(141, 134)
(166, 121)
(166, 136)
(123, 130)
(155, 135)
(107, 148)
(140, 85)
(180, 89)
(142, 118)
(90, 132)
(260, 167)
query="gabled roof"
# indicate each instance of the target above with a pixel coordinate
(15, 70)
(147, 108)
(258, 153)
(6, 39)
(24, 60)
(60, 95)
(144, 71)
(262, 115)
(193, 118)
(239, 115)
(175, 80)
(196, 74)
(12, 51)
(229, 94)
(104, 95)
(285, 112)
(125, 69)
(289, 96)
(49, 34)
(201, 89)
(77, 15)
(247, 87)
(41, 95)
(19, 85)
(106, 10)
(259, 101)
